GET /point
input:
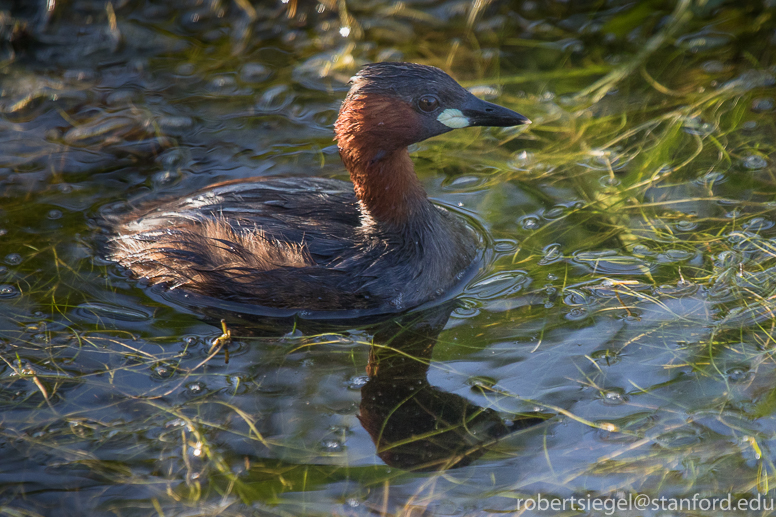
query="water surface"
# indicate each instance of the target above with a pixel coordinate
(618, 341)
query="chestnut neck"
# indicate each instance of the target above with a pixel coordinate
(373, 132)
(386, 185)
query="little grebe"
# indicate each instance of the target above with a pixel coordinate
(316, 244)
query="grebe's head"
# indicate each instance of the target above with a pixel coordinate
(393, 105)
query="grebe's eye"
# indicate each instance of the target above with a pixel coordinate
(428, 103)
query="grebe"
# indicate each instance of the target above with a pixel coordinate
(319, 244)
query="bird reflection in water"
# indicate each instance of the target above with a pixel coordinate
(417, 426)
(414, 425)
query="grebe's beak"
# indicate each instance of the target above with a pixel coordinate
(477, 112)
(482, 113)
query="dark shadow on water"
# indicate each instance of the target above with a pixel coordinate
(417, 426)
(414, 425)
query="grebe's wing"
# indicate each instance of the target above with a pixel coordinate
(320, 213)
(247, 240)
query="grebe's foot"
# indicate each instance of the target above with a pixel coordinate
(222, 341)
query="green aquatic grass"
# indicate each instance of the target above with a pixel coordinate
(631, 293)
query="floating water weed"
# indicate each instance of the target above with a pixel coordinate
(628, 290)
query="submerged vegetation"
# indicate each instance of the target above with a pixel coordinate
(619, 341)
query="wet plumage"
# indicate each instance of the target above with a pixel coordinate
(265, 242)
